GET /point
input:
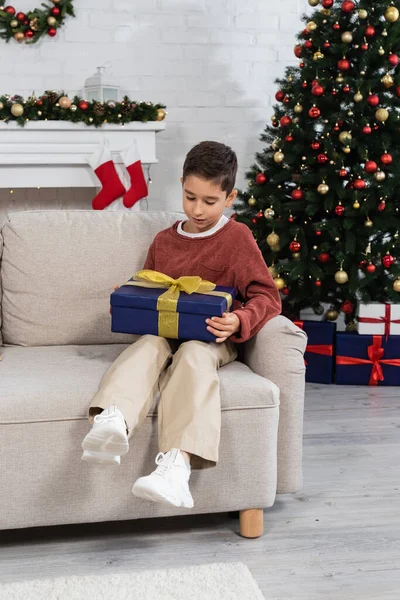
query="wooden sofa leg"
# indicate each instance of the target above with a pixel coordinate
(252, 523)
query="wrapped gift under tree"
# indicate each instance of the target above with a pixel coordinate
(379, 319)
(153, 303)
(367, 359)
(319, 356)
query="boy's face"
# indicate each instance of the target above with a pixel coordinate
(204, 203)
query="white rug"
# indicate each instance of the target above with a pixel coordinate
(224, 581)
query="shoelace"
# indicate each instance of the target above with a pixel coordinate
(101, 418)
(163, 469)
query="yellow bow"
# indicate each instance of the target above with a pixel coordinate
(167, 303)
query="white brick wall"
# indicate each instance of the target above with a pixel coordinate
(212, 61)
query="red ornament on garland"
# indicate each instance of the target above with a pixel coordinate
(10, 10)
(348, 6)
(371, 166)
(286, 100)
(260, 179)
(359, 184)
(339, 210)
(386, 159)
(315, 145)
(289, 138)
(327, 45)
(346, 89)
(394, 60)
(318, 232)
(254, 220)
(294, 246)
(285, 121)
(83, 105)
(302, 65)
(336, 26)
(364, 47)
(55, 11)
(314, 112)
(398, 90)
(280, 95)
(327, 3)
(290, 219)
(388, 261)
(324, 257)
(347, 307)
(29, 34)
(304, 85)
(21, 16)
(382, 206)
(298, 51)
(317, 90)
(370, 31)
(318, 283)
(298, 194)
(285, 291)
(371, 268)
(52, 31)
(344, 64)
(260, 214)
(343, 173)
(373, 100)
(322, 159)
(308, 44)
(367, 130)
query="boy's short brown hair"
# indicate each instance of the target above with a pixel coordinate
(212, 161)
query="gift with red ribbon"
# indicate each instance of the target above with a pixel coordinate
(319, 355)
(379, 319)
(367, 359)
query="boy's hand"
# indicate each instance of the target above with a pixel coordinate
(223, 327)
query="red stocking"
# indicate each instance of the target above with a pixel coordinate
(102, 164)
(138, 189)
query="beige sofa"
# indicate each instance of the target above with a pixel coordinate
(58, 269)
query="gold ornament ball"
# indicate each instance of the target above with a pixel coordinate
(280, 283)
(368, 223)
(396, 285)
(387, 81)
(273, 272)
(358, 97)
(381, 51)
(382, 115)
(356, 204)
(73, 107)
(273, 239)
(352, 326)
(14, 23)
(362, 13)
(269, 213)
(252, 201)
(347, 37)
(1, 106)
(326, 11)
(345, 137)
(296, 255)
(341, 277)
(19, 36)
(298, 108)
(313, 2)
(296, 120)
(64, 102)
(331, 315)
(392, 14)
(311, 26)
(39, 113)
(275, 248)
(323, 189)
(347, 150)
(51, 21)
(161, 114)
(17, 110)
(279, 157)
(380, 176)
(340, 78)
(318, 55)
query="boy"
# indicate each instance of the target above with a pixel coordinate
(217, 249)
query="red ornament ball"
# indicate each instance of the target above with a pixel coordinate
(388, 261)
(21, 16)
(398, 90)
(371, 166)
(317, 90)
(386, 159)
(314, 112)
(327, 3)
(55, 11)
(359, 184)
(10, 10)
(29, 34)
(52, 31)
(289, 138)
(297, 194)
(336, 26)
(373, 100)
(394, 60)
(318, 232)
(302, 65)
(254, 220)
(346, 88)
(285, 291)
(382, 206)
(370, 31)
(318, 283)
(348, 6)
(322, 159)
(343, 173)
(324, 257)
(327, 45)
(367, 130)
(294, 246)
(280, 95)
(347, 307)
(298, 51)
(371, 268)
(260, 179)
(304, 85)
(83, 105)
(285, 121)
(364, 47)
(260, 214)
(361, 264)
(344, 64)
(290, 219)
(286, 100)
(308, 44)
(315, 145)
(339, 210)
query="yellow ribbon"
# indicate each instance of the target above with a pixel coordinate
(167, 303)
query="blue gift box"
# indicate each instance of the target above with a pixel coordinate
(367, 359)
(319, 355)
(134, 310)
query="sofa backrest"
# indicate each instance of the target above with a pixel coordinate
(59, 268)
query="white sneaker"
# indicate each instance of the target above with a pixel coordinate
(108, 433)
(104, 458)
(169, 483)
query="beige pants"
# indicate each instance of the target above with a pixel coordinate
(189, 412)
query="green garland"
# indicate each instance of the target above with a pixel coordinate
(56, 106)
(29, 27)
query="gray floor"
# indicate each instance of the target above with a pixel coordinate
(339, 538)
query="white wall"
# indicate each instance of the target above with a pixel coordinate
(213, 62)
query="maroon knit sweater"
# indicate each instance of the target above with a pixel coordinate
(229, 257)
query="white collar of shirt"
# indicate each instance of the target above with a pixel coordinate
(223, 221)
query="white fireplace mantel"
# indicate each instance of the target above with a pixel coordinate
(52, 154)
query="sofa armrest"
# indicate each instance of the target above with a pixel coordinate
(277, 353)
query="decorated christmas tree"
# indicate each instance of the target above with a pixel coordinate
(324, 196)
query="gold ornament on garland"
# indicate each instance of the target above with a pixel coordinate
(331, 314)
(345, 137)
(387, 81)
(323, 189)
(358, 97)
(17, 110)
(341, 276)
(252, 201)
(19, 36)
(280, 283)
(362, 13)
(298, 108)
(311, 26)
(356, 205)
(14, 23)
(269, 213)
(273, 239)
(392, 14)
(382, 115)
(380, 176)
(313, 2)
(64, 102)
(396, 285)
(51, 21)
(347, 37)
(318, 55)
(279, 157)
(368, 222)
(272, 270)
(161, 114)
(34, 24)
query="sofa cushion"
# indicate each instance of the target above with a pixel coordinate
(57, 383)
(60, 267)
